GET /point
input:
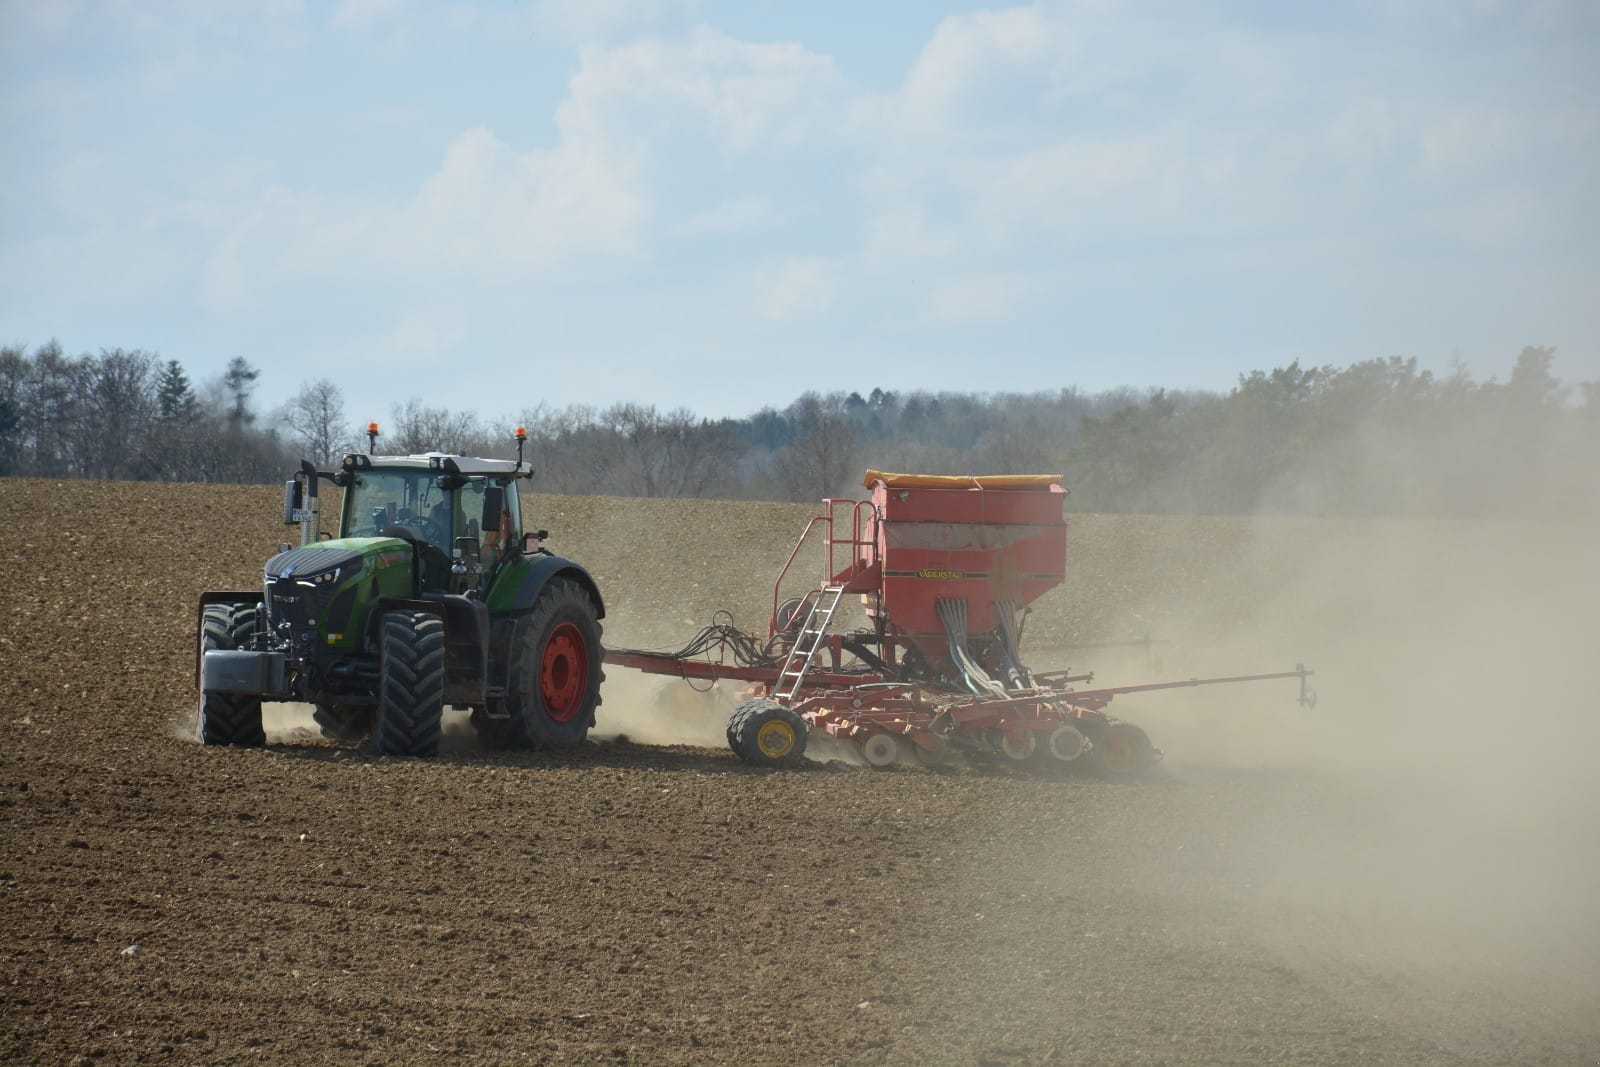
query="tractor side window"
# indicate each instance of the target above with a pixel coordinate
(514, 510)
(497, 533)
(469, 509)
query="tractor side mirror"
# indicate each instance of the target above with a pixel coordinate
(494, 502)
(465, 559)
(292, 501)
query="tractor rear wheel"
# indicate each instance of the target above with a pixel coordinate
(229, 718)
(555, 673)
(410, 684)
(766, 733)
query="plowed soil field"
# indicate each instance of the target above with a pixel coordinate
(1408, 874)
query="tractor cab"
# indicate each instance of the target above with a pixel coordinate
(461, 513)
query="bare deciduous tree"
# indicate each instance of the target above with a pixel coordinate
(315, 419)
(415, 428)
(821, 458)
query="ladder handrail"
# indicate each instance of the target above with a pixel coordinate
(806, 643)
(777, 586)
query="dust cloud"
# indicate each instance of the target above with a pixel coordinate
(655, 710)
(1441, 805)
(288, 724)
(283, 724)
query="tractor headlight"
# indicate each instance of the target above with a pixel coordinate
(325, 578)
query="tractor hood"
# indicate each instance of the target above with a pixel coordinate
(347, 555)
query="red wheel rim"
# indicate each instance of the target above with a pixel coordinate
(564, 672)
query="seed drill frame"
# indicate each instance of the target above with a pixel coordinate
(944, 567)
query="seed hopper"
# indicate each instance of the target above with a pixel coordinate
(944, 569)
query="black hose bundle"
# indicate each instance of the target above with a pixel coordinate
(721, 634)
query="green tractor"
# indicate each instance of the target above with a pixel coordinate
(432, 595)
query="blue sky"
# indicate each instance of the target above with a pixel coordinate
(722, 205)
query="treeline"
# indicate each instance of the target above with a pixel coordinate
(1378, 437)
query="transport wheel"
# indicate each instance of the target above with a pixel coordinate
(228, 718)
(341, 722)
(410, 684)
(880, 750)
(554, 686)
(766, 733)
(1122, 750)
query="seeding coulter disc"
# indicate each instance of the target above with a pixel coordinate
(1017, 748)
(880, 750)
(1066, 743)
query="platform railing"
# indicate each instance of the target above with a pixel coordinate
(862, 543)
(863, 535)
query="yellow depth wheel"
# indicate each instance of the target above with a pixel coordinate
(766, 733)
(775, 739)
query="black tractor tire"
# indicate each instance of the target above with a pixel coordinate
(767, 734)
(556, 668)
(342, 722)
(229, 718)
(410, 684)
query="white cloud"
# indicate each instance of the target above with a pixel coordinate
(976, 299)
(901, 233)
(1461, 140)
(750, 98)
(592, 21)
(491, 211)
(969, 55)
(739, 215)
(366, 14)
(796, 288)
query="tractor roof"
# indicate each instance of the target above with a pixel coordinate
(443, 461)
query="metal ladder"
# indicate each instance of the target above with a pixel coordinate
(807, 641)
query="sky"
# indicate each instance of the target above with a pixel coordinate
(722, 205)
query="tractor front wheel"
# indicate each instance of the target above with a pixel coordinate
(554, 685)
(410, 684)
(766, 733)
(229, 718)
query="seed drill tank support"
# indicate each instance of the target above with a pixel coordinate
(434, 594)
(945, 568)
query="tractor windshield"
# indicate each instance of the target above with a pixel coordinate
(410, 502)
(406, 502)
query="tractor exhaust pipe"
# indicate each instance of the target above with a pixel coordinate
(311, 512)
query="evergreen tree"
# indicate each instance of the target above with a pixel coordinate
(174, 396)
(240, 381)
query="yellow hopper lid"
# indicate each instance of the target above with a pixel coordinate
(961, 481)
